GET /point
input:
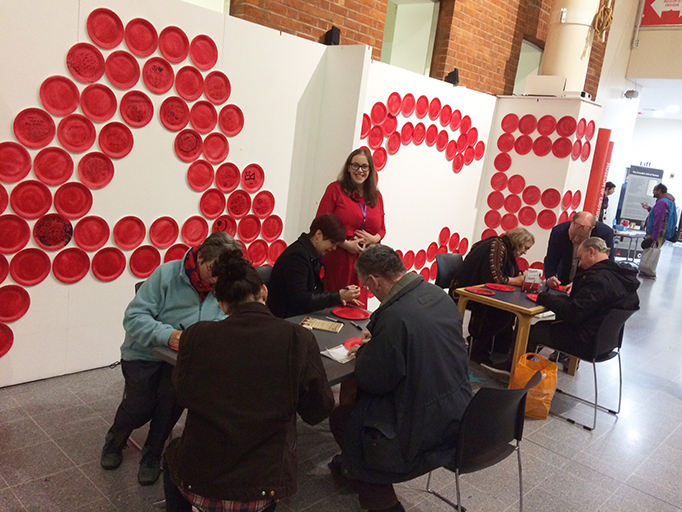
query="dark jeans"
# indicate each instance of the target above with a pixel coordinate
(371, 496)
(560, 336)
(148, 396)
(488, 323)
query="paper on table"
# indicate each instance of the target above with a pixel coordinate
(322, 325)
(338, 354)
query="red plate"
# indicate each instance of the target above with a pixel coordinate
(108, 264)
(73, 200)
(216, 147)
(123, 70)
(512, 203)
(462, 142)
(479, 290)
(445, 115)
(14, 303)
(217, 87)
(393, 143)
(227, 177)
(431, 251)
(136, 109)
(455, 120)
(71, 265)
(531, 194)
(4, 199)
(272, 228)
(389, 126)
(276, 248)
(30, 267)
(502, 162)
(562, 147)
(425, 273)
(257, 252)
(441, 141)
(59, 95)
(566, 201)
(408, 259)
(6, 339)
(551, 198)
(366, 126)
(408, 104)
(163, 232)
(465, 124)
(129, 232)
(542, 146)
(585, 151)
(375, 138)
(451, 150)
(212, 203)
(144, 260)
(487, 233)
(566, 126)
(422, 106)
(189, 82)
(527, 215)
(580, 130)
(523, 144)
(85, 62)
(492, 219)
(393, 103)
(505, 142)
(419, 259)
(523, 264)
(91, 233)
(200, 175)
(509, 221)
(98, 102)
(188, 145)
(563, 217)
(231, 120)
(577, 149)
(419, 133)
(14, 233)
(194, 230)
(498, 181)
(527, 124)
(174, 44)
(158, 75)
(378, 113)
(589, 131)
(510, 123)
(177, 252)
(453, 244)
(434, 109)
(351, 342)
(577, 197)
(76, 133)
(516, 184)
(203, 52)
(52, 232)
(174, 113)
(380, 157)
(30, 199)
(463, 246)
(472, 137)
(141, 37)
(239, 204)
(116, 140)
(500, 287)
(533, 297)
(249, 228)
(105, 28)
(95, 170)
(53, 166)
(34, 128)
(468, 155)
(444, 236)
(546, 125)
(457, 163)
(263, 204)
(253, 178)
(203, 116)
(495, 200)
(225, 223)
(431, 135)
(546, 219)
(351, 313)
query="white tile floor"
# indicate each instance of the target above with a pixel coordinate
(51, 433)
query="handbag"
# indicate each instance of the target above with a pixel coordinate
(649, 260)
(539, 398)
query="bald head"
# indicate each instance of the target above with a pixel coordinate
(581, 227)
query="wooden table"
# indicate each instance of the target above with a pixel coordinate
(336, 372)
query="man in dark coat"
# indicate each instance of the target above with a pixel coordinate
(561, 261)
(413, 383)
(601, 286)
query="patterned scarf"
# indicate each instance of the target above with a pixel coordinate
(192, 270)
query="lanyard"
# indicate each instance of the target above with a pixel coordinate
(363, 209)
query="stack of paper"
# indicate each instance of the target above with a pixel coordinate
(338, 353)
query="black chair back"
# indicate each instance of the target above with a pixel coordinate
(610, 333)
(264, 273)
(448, 265)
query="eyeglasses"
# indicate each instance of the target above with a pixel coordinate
(357, 167)
(582, 227)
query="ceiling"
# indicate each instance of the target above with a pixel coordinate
(660, 98)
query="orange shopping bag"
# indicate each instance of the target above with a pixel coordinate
(539, 398)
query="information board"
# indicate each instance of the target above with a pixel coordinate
(640, 182)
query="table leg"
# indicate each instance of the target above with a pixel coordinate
(522, 332)
(462, 305)
(573, 365)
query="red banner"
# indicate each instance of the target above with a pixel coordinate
(600, 161)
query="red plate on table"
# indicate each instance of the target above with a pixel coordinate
(217, 87)
(123, 70)
(465, 124)
(73, 200)
(194, 230)
(263, 204)
(76, 133)
(505, 142)
(144, 260)
(6, 339)
(444, 236)
(500, 287)
(551, 198)
(71, 265)
(366, 126)
(174, 44)
(531, 194)
(249, 228)
(495, 200)
(231, 120)
(212, 203)
(85, 62)
(30, 267)
(422, 107)
(129, 232)
(502, 162)
(227, 177)
(580, 130)
(533, 297)
(34, 128)
(510, 123)
(562, 147)
(116, 140)
(509, 221)
(351, 342)
(378, 113)
(445, 115)
(163, 232)
(216, 147)
(542, 146)
(527, 215)
(203, 52)
(257, 252)
(276, 248)
(577, 197)
(200, 175)
(189, 83)
(272, 228)
(455, 120)
(589, 131)
(59, 95)
(375, 138)
(253, 178)
(431, 135)
(351, 313)
(566, 126)
(419, 133)
(30, 199)
(141, 37)
(238, 204)
(52, 232)
(434, 109)
(479, 290)
(408, 259)
(516, 184)
(98, 102)
(546, 219)
(136, 109)
(158, 75)
(188, 145)
(176, 252)
(546, 125)
(14, 303)
(408, 104)
(492, 219)
(203, 116)
(527, 124)
(419, 259)
(523, 144)
(512, 203)
(91, 233)
(108, 264)
(105, 28)
(585, 151)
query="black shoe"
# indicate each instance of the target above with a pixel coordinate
(150, 467)
(111, 457)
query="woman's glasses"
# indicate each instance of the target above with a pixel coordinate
(358, 167)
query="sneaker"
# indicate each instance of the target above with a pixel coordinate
(111, 457)
(150, 467)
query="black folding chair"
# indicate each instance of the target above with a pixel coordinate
(492, 421)
(448, 265)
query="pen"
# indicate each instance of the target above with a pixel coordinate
(333, 320)
(355, 325)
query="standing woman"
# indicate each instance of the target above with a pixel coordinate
(354, 199)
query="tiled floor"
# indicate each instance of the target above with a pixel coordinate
(51, 433)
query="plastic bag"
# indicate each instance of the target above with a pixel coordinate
(539, 398)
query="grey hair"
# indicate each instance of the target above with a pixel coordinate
(596, 243)
(216, 244)
(519, 237)
(381, 261)
(586, 214)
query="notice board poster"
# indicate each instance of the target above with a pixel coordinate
(662, 12)
(640, 182)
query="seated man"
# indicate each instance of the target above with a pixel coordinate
(561, 261)
(413, 384)
(601, 286)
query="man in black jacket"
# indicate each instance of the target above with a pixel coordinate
(413, 384)
(601, 286)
